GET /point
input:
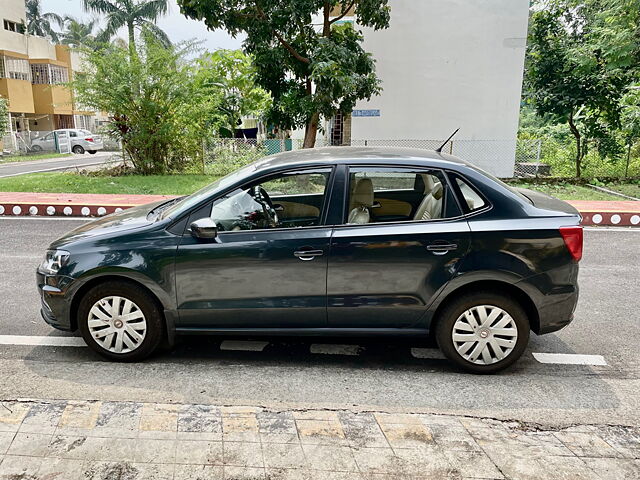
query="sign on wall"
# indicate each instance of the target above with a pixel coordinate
(366, 113)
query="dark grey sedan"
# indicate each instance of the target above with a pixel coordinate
(337, 241)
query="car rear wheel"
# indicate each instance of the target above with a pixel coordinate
(483, 332)
(77, 149)
(120, 321)
(92, 152)
(36, 148)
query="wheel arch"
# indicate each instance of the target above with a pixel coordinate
(495, 286)
(97, 280)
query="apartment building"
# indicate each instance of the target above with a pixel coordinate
(33, 72)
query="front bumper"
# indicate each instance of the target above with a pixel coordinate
(55, 301)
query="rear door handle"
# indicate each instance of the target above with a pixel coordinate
(306, 255)
(441, 248)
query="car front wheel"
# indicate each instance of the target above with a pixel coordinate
(120, 321)
(483, 332)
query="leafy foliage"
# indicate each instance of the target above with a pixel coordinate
(310, 72)
(4, 116)
(76, 33)
(39, 23)
(581, 59)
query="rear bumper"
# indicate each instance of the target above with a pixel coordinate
(54, 301)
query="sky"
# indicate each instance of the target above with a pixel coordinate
(178, 27)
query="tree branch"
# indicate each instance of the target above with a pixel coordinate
(344, 13)
(284, 43)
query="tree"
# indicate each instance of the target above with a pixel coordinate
(229, 75)
(39, 23)
(155, 108)
(132, 15)
(579, 63)
(4, 118)
(310, 72)
(77, 33)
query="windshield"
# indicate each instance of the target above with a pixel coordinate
(187, 203)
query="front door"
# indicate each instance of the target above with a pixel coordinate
(384, 270)
(262, 271)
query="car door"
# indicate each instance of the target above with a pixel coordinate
(256, 274)
(384, 274)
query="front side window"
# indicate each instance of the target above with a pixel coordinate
(290, 200)
(379, 195)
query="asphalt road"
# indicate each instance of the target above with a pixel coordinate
(384, 375)
(54, 165)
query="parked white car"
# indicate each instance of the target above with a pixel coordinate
(81, 141)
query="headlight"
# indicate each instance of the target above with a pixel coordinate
(54, 260)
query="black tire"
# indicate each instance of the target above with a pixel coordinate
(92, 152)
(145, 302)
(450, 314)
(78, 149)
(36, 148)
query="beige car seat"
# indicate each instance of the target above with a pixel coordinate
(361, 202)
(431, 205)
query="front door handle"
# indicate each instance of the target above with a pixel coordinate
(441, 248)
(306, 255)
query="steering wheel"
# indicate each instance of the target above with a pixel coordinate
(263, 198)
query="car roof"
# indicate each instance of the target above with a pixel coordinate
(374, 155)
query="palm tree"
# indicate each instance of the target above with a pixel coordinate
(76, 33)
(131, 14)
(39, 23)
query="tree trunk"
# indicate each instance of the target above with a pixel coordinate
(311, 131)
(133, 55)
(579, 152)
(626, 167)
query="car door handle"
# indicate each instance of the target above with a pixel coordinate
(441, 248)
(306, 255)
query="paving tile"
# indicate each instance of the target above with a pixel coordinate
(398, 418)
(242, 454)
(32, 444)
(325, 475)
(198, 472)
(80, 415)
(122, 415)
(43, 417)
(288, 474)
(159, 417)
(61, 468)
(376, 460)
(330, 457)
(243, 473)
(200, 419)
(322, 432)
(426, 461)
(472, 464)
(20, 467)
(362, 430)
(452, 437)
(547, 468)
(12, 414)
(101, 449)
(277, 427)
(614, 468)
(325, 415)
(63, 446)
(199, 452)
(5, 440)
(107, 470)
(283, 456)
(241, 428)
(587, 444)
(155, 451)
(406, 435)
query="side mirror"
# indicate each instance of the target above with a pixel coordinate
(204, 229)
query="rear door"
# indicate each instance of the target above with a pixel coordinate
(385, 272)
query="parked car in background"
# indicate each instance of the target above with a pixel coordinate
(337, 241)
(81, 141)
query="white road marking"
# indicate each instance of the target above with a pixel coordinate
(335, 349)
(428, 353)
(246, 346)
(569, 359)
(42, 341)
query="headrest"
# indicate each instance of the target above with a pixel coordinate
(437, 191)
(429, 183)
(363, 194)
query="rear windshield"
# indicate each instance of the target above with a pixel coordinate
(497, 180)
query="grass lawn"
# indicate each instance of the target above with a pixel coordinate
(28, 158)
(631, 189)
(128, 184)
(566, 191)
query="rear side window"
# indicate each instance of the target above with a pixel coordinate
(471, 198)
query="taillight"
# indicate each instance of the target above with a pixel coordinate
(573, 239)
(88, 139)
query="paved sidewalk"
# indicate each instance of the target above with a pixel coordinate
(68, 440)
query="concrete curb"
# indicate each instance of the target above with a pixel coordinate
(604, 213)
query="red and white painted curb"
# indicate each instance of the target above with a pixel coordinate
(59, 210)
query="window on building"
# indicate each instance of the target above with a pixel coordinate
(46, 74)
(13, 26)
(16, 68)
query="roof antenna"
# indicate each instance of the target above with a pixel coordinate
(439, 149)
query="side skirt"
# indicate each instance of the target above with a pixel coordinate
(306, 332)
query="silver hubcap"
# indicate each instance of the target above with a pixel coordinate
(484, 334)
(117, 324)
